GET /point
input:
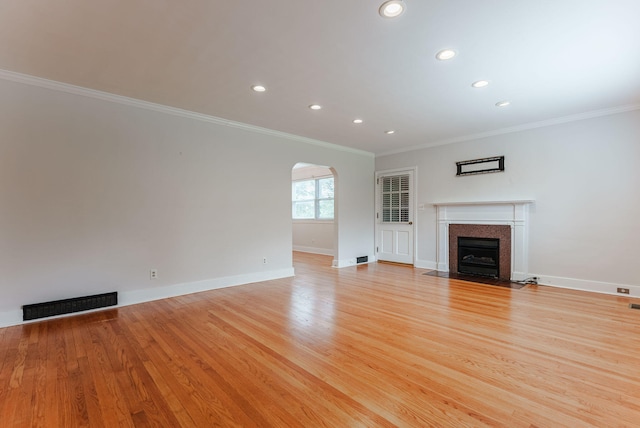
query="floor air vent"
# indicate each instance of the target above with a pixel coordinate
(634, 306)
(363, 259)
(68, 306)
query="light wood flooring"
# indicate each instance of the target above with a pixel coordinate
(366, 346)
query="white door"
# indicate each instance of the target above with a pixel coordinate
(394, 217)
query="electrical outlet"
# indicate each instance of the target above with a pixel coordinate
(264, 260)
(153, 274)
(623, 290)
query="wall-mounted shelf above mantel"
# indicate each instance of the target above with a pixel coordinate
(513, 202)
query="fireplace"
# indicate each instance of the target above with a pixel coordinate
(506, 220)
(486, 250)
(479, 256)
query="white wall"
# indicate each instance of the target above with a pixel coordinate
(313, 236)
(94, 193)
(584, 177)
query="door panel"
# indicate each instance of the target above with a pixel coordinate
(386, 241)
(394, 217)
(402, 238)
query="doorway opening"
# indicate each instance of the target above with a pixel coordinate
(313, 209)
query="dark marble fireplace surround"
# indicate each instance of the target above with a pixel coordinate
(496, 231)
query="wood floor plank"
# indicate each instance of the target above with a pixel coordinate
(375, 345)
(112, 399)
(38, 354)
(245, 388)
(103, 393)
(54, 329)
(185, 376)
(18, 380)
(139, 392)
(362, 373)
(287, 379)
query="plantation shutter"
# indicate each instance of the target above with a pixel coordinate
(395, 199)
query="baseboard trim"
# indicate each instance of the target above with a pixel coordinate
(555, 281)
(351, 262)
(425, 264)
(126, 298)
(314, 250)
(12, 318)
(586, 285)
(9, 318)
(147, 295)
(133, 297)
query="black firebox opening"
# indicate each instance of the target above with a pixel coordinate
(479, 256)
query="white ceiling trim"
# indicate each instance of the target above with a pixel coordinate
(524, 127)
(106, 96)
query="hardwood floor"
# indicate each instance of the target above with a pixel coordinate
(372, 345)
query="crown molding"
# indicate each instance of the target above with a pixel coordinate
(133, 102)
(519, 128)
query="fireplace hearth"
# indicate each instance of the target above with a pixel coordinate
(479, 256)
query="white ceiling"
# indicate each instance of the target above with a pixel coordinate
(550, 58)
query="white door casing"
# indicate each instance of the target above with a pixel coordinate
(394, 216)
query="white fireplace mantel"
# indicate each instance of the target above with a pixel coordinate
(514, 213)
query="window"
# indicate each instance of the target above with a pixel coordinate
(395, 199)
(313, 199)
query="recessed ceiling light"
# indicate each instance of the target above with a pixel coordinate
(391, 8)
(258, 88)
(389, 132)
(502, 103)
(445, 54)
(315, 106)
(480, 83)
(357, 121)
